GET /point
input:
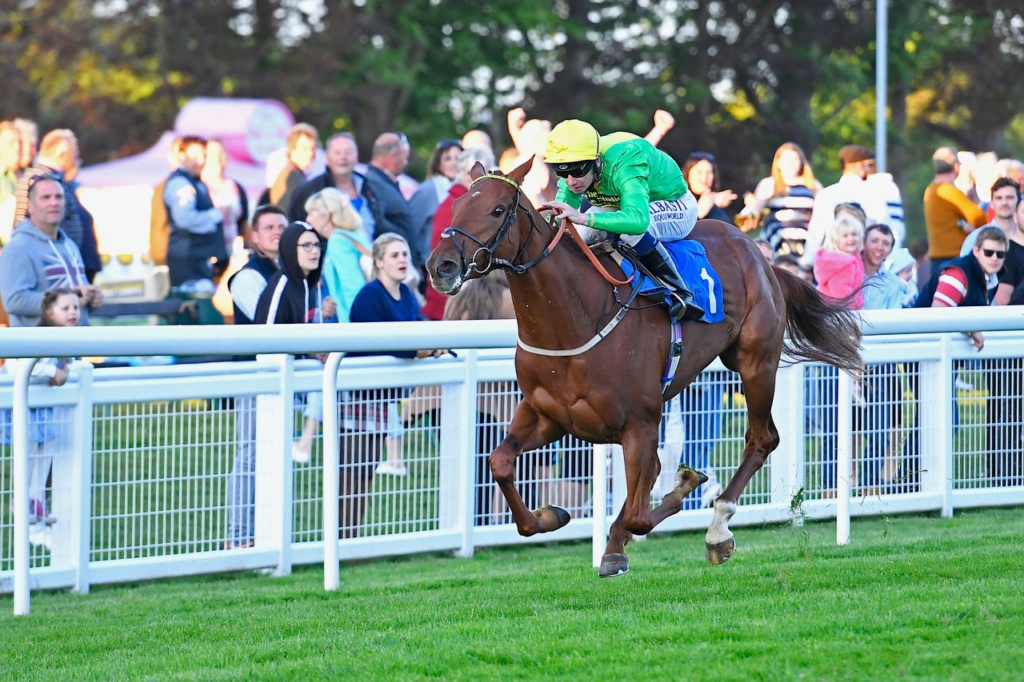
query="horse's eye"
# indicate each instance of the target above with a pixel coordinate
(498, 211)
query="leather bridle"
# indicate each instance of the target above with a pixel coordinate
(469, 265)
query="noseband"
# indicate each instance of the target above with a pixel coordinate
(469, 266)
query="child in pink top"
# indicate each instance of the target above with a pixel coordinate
(838, 267)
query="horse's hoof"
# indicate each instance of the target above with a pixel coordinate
(720, 552)
(552, 517)
(689, 479)
(613, 565)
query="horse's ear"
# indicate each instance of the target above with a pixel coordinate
(477, 171)
(519, 174)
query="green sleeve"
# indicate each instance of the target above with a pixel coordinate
(629, 176)
(567, 196)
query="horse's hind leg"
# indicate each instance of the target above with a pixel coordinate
(758, 374)
(529, 430)
(688, 479)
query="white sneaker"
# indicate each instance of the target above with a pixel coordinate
(389, 469)
(712, 489)
(299, 455)
(39, 535)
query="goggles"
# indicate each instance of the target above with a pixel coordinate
(577, 169)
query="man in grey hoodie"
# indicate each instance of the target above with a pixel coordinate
(40, 257)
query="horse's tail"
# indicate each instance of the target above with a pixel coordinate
(819, 330)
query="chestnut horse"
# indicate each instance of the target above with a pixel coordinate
(609, 390)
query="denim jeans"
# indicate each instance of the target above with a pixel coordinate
(701, 408)
(242, 480)
(875, 419)
(909, 475)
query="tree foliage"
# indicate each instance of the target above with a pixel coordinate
(740, 77)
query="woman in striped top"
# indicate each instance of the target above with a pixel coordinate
(786, 199)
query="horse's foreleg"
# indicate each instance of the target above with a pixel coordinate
(761, 439)
(640, 454)
(529, 430)
(615, 562)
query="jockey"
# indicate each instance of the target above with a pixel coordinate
(636, 191)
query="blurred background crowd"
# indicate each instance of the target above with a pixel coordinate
(201, 228)
(163, 136)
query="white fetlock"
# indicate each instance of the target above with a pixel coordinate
(718, 531)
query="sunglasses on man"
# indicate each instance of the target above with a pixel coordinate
(572, 170)
(993, 252)
(39, 177)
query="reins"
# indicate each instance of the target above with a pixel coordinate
(566, 225)
(470, 265)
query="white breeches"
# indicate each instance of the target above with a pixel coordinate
(670, 221)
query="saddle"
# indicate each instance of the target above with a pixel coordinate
(692, 263)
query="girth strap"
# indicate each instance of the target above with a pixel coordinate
(675, 353)
(605, 331)
(581, 349)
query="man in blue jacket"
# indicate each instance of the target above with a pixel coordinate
(197, 227)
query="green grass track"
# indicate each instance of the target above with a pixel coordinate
(912, 597)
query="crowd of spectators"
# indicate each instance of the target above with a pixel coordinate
(349, 245)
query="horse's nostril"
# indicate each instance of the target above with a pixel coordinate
(448, 268)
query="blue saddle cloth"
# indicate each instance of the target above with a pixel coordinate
(692, 262)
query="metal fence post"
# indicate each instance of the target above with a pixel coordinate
(458, 445)
(81, 480)
(275, 422)
(787, 463)
(466, 455)
(19, 416)
(944, 459)
(844, 457)
(935, 408)
(331, 472)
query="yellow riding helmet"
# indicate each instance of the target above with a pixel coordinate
(572, 141)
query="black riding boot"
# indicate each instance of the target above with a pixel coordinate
(661, 266)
